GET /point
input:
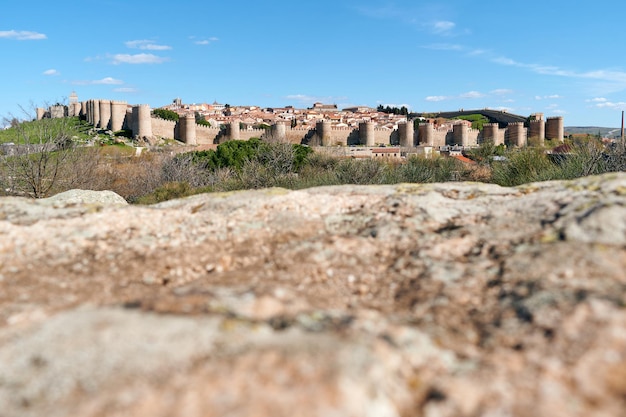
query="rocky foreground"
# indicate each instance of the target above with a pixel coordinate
(457, 299)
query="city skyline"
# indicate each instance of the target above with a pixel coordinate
(432, 56)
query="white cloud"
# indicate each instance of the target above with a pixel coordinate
(501, 91)
(442, 27)
(504, 61)
(436, 98)
(548, 97)
(477, 52)
(103, 81)
(618, 78)
(603, 103)
(146, 45)
(125, 90)
(138, 59)
(51, 71)
(22, 35)
(108, 80)
(205, 41)
(472, 94)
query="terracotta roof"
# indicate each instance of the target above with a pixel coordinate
(463, 159)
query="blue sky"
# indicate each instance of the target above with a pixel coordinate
(555, 57)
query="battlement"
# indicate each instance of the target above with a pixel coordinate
(303, 129)
(173, 122)
(139, 118)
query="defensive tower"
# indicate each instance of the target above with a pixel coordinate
(516, 134)
(554, 128)
(406, 133)
(323, 129)
(366, 134)
(105, 114)
(118, 114)
(426, 134)
(234, 131)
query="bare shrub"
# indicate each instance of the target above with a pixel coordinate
(133, 177)
(360, 171)
(183, 168)
(41, 152)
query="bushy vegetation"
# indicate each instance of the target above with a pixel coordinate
(201, 120)
(166, 114)
(478, 120)
(532, 164)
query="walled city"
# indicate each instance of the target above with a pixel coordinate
(322, 125)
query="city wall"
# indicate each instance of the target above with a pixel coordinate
(117, 115)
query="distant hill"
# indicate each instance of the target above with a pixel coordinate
(606, 132)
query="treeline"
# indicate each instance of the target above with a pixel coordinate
(393, 110)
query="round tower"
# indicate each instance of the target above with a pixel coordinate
(426, 133)
(118, 114)
(96, 113)
(74, 109)
(460, 133)
(105, 114)
(83, 109)
(554, 128)
(516, 134)
(40, 113)
(366, 134)
(323, 129)
(406, 133)
(537, 130)
(234, 130)
(279, 131)
(89, 112)
(491, 133)
(142, 121)
(188, 129)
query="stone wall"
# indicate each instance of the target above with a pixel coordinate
(108, 114)
(206, 135)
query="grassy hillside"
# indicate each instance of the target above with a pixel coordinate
(45, 129)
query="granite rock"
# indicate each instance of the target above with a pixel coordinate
(455, 299)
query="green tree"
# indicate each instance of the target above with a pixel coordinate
(166, 114)
(200, 119)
